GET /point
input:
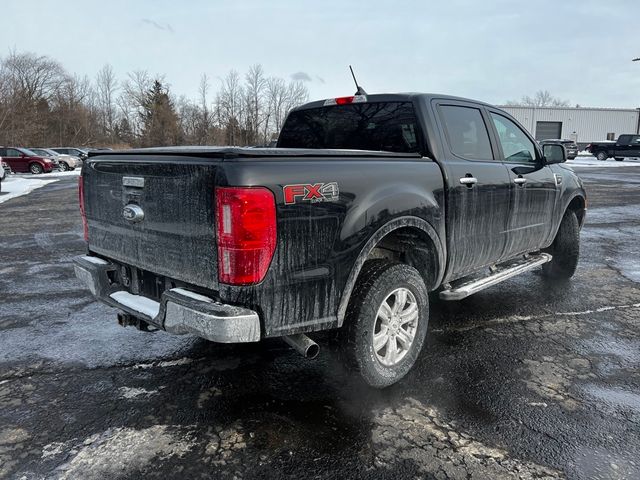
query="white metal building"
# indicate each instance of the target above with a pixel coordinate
(583, 125)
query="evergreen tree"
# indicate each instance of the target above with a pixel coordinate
(160, 124)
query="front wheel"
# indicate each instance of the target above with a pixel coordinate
(36, 168)
(565, 249)
(64, 166)
(602, 156)
(386, 322)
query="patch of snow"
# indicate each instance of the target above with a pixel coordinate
(166, 363)
(116, 451)
(591, 161)
(96, 260)
(131, 392)
(15, 186)
(68, 173)
(53, 449)
(190, 294)
(138, 303)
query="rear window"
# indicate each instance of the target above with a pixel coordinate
(382, 126)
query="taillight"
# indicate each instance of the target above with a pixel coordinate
(85, 227)
(246, 228)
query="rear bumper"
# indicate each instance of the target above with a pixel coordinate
(179, 311)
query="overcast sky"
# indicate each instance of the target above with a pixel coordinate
(494, 51)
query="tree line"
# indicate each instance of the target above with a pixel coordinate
(542, 98)
(42, 104)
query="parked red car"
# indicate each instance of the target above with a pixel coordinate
(23, 160)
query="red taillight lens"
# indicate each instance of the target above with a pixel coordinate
(246, 228)
(85, 227)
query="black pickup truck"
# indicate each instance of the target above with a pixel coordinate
(367, 204)
(626, 146)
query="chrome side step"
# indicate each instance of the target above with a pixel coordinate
(497, 275)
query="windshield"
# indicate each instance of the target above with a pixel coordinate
(28, 152)
(40, 151)
(382, 126)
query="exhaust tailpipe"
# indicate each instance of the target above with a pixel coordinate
(303, 345)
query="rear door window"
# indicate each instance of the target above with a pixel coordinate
(379, 126)
(466, 132)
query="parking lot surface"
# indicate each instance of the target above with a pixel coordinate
(527, 379)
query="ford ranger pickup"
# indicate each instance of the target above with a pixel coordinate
(367, 204)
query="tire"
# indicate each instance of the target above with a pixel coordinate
(380, 283)
(619, 159)
(565, 249)
(36, 168)
(64, 167)
(602, 156)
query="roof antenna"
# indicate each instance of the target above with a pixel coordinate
(360, 90)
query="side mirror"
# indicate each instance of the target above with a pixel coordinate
(554, 154)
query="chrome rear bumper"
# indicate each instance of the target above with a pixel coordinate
(179, 311)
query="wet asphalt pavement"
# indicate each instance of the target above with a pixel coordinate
(526, 380)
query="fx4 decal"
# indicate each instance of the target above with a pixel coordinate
(317, 192)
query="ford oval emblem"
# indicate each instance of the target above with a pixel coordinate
(133, 213)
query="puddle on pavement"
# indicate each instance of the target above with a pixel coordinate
(603, 464)
(616, 397)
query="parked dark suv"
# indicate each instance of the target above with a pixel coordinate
(24, 160)
(569, 145)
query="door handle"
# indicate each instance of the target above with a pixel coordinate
(520, 180)
(468, 181)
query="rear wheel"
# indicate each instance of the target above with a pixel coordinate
(386, 322)
(36, 168)
(601, 156)
(565, 249)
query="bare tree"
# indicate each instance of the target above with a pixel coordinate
(29, 82)
(204, 124)
(276, 98)
(542, 98)
(106, 87)
(255, 85)
(230, 107)
(132, 98)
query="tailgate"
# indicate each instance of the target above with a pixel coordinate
(175, 236)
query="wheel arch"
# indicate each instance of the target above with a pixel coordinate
(577, 204)
(411, 239)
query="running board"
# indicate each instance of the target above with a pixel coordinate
(496, 276)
